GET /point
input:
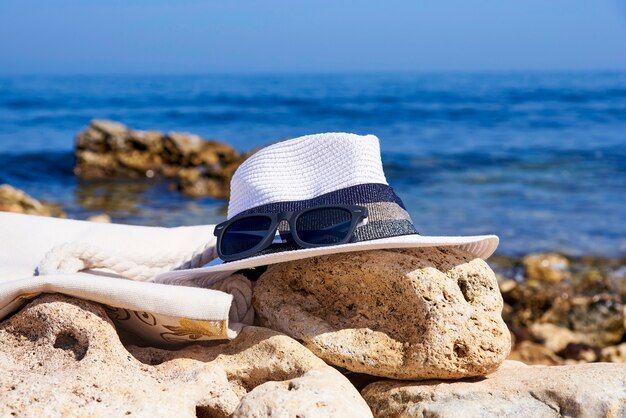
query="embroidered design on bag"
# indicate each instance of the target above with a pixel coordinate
(194, 330)
(157, 326)
(147, 318)
(117, 314)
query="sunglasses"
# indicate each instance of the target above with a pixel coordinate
(246, 235)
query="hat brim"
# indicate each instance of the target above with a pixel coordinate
(481, 246)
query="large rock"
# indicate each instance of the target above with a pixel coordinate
(202, 181)
(15, 200)
(406, 314)
(213, 169)
(62, 357)
(109, 149)
(318, 393)
(515, 390)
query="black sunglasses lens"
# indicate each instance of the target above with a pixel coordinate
(245, 234)
(324, 226)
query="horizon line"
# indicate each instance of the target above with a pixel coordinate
(314, 72)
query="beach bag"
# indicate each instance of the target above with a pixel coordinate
(118, 266)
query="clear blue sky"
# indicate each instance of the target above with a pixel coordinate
(192, 36)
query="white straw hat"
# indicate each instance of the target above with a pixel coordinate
(330, 168)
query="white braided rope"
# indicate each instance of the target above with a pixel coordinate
(240, 287)
(77, 256)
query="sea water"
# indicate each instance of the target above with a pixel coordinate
(537, 158)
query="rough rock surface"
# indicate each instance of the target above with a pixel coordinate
(515, 390)
(406, 314)
(62, 357)
(109, 149)
(318, 393)
(15, 200)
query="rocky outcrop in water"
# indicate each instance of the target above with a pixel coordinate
(15, 200)
(200, 167)
(406, 314)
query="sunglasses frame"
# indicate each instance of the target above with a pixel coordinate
(358, 213)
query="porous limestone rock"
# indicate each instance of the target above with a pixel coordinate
(515, 390)
(256, 356)
(321, 392)
(61, 356)
(16, 200)
(407, 314)
(273, 375)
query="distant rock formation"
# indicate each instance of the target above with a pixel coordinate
(109, 149)
(16, 200)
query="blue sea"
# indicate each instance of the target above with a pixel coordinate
(537, 158)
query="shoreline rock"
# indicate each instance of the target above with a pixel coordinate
(107, 149)
(587, 390)
(63, 356)
(573, 319)
(546, 267)
(18, 201)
